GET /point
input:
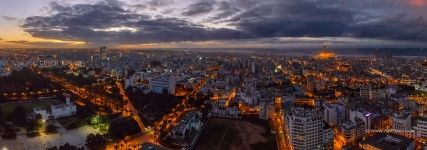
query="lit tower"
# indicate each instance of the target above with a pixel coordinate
(325, 54)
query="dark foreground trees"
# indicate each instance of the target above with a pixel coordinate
(96, 141)
(123, 127)
(66, 146)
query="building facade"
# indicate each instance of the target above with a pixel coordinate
(306, 129)
(163, 83)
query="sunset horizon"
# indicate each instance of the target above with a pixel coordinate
(212, 24)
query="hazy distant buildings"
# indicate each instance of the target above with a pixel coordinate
(103, 53)
(253, 67)
(315, 84)
(371, 94)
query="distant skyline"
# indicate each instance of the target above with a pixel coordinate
(212, 23)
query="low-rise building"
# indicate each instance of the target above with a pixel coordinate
(402, 123)
(382, 141)
(57, 111)
(351, 131)
(191, 121)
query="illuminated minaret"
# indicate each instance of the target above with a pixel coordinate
(324, 46)
(324, 54)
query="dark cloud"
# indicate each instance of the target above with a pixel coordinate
(400, 27)
(293, 19)
(159, 3)
(19, 42)
(198, 8)
(300, 18)
(86, 23)
(9, 18)
(226, 9)
(152, 4)
(250, 19)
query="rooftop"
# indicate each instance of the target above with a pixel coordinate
(388, 141)
(151, 146)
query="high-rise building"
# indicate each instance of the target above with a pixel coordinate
(330, 114)
(333, 113)
(103, 53)
(351, 131)
(371, 94)
(421, 127)
(253, 67)
(403, 124)
(363, 115)
(307, 130)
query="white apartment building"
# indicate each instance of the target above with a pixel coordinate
(306, 129)
(351, 131)
(191, 121)
(402, 124)
(333, 113)
(363, 115)
(162, 83)
(330, 114)
(421, 128)
(57, 111)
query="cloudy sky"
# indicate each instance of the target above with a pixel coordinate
(213, 23)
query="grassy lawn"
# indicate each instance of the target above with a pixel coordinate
(9, 107)
(72, 122)
(220, 137)
(270, 144)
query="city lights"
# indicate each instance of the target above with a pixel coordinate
(213, 74)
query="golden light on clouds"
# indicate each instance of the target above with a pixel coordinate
(418, 3)
(118, 29)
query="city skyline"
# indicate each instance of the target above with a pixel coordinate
(213, 24)
(213, 74)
